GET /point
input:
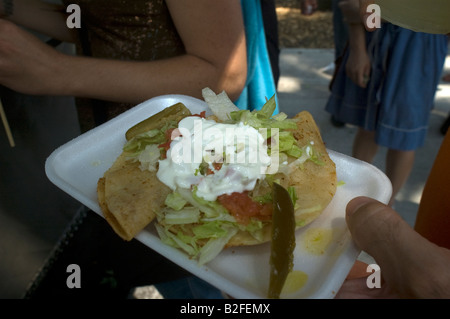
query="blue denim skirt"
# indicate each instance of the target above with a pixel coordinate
(406, 69)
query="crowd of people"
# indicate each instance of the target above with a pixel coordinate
(147, 48)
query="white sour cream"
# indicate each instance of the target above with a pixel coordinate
(241, 149)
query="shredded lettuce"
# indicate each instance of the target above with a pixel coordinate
(212, 210)
(139, 142)
(254, 228)
(293, 194)
(214, 246)
(308, 153)
(209, 230)
(263, 118)
(188, 215)
(263, 199)
(220, 104)
(175, 201)
(181, 241)
(217, 234)
(156, 136)
(211, 223)
(149, 157)
(288, 144)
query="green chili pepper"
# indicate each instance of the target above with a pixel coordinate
(175, 112)
(283, 240)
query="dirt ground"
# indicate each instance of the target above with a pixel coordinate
(300, 31)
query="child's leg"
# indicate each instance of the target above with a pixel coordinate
(364, 146)
(398, 163)
(398, 167)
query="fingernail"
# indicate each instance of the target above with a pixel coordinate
(357, 203)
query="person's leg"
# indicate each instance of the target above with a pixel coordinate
(364, 146)
(398, 168)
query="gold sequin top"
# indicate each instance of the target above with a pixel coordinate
(138, 30)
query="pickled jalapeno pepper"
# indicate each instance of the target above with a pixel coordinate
(283, 240)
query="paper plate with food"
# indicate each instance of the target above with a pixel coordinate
(199, 182)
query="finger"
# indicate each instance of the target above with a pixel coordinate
(402, 254)
(363, 79)
(367, 73)
(353, 75)
(376, 229)
(370, 223)
(360, 78)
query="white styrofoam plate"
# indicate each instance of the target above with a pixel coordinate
(241, 272)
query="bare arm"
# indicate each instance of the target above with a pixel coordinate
(358, 67)
(212, 32)
(43, 17)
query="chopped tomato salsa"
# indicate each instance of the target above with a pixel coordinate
(217, 166)
(242, 207)
(202, 114)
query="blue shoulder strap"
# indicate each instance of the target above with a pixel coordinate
(260, 84)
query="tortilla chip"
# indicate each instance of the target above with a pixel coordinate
(130, 196)
(315, 184)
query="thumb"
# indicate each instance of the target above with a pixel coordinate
(403, 255)
(372, 224)
(379, 231)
